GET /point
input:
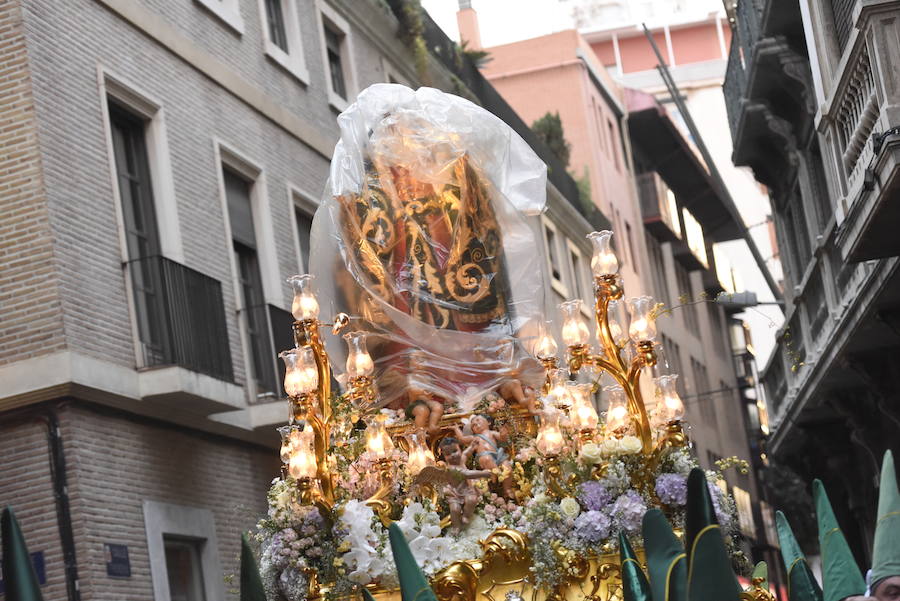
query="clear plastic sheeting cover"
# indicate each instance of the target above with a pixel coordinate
(422, 239)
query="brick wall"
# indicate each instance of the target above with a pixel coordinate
(30, 320)
(26, 486)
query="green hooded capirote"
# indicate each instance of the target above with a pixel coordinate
(414, 585)
(634, 583)
(251, 584)
(841, 577)
(886, 551)
(18, 572)
(710, 575)
(802, 585)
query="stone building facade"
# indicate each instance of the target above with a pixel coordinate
(161, 164)
(812, 94)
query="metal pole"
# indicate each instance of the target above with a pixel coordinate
(724, 194)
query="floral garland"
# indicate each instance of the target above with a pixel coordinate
(612, 491)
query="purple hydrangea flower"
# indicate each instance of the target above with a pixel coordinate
(672, 489)
(628, 511)
(715, 493)
(592, 527)
(593, 495)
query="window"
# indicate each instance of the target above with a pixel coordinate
(183, 552)
(716, 326)
(658, 267)
(685, 297)
(275, 21)
(252, 302)
(613, 143)
(304, 228)
(702, 392)
(281, 34)
(184, 568)
(554, 257)
(333, 41)
(141, 233)
(744, 511)
(631, 246)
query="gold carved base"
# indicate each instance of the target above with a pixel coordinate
(503, 574)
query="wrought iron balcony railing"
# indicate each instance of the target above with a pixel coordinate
(181, 317)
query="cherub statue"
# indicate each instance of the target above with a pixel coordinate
(460, 493)
(425, 413)
(513, 392)
(488, 452)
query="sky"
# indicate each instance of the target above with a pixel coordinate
(504, 21)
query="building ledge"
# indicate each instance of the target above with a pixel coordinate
(156, 391)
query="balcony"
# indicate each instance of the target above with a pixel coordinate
(863, 104)
(658, 207)
(181, 318)
(768, 88)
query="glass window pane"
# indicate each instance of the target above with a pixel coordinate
(275, 16)
(184, 569)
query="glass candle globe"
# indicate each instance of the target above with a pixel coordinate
(574, 331)
(420, 456)
(545, 347)
(643, 325)
(558, 395)
(550, 437)
(603, 261)
(378, 441)
(671, 407)
(304, 306)
(301, 375)
(302, 463)
(583, 415)
(617, 410)
(359, 361)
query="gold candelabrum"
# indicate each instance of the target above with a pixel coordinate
(567, 405)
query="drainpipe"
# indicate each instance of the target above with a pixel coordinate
(61, 497)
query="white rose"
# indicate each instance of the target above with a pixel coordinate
(610, 446)
(569, 507)
(630, 445)
(591, 453)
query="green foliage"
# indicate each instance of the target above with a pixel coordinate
(479, 58)
(584, 190)
(412, 30)
(549, 130)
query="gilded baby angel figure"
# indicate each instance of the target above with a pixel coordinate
(488, 450)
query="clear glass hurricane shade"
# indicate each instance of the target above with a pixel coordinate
(643, 325)
(614, 315)
(603, 261)
(286, 443)
(559, 391)
(359, 361)
(575, 331)
(378, 441)
(583, 415)
(616, 410)
(671, 407)
(550, 437)
(420, 456)
(301, 375)
(303, 458)
(545, 347)
(304, 306)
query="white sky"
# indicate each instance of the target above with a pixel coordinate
(504, 21)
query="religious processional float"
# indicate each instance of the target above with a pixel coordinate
(458, 419)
